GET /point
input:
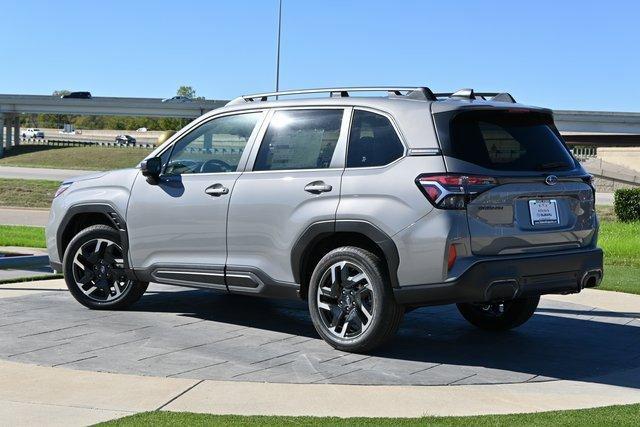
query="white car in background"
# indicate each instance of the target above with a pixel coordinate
(177, 99)
(32, 133)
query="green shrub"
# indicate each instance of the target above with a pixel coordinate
(626, 203)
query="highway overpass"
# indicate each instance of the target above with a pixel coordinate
(598, 128)
(11, 106)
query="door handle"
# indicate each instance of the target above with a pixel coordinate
(317, 187)
(217, 190)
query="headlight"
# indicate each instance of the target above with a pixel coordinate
(62, 188)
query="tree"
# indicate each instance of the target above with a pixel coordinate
(189, 92)
(60, 92)
(186, 91)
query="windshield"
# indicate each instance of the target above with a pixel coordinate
(507, 140)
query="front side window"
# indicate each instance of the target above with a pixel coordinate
(299, 139)
(215, 146)
(373, 141)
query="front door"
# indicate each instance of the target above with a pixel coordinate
(177, 227)
(292, 181)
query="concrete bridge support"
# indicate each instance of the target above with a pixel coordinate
(1, 135)
(8, 134)
(16, 130)
(9, 131)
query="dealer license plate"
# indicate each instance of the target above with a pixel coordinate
(543, 212)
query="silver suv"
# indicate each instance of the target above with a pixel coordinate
(364, 206)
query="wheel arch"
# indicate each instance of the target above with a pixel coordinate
(79, 217)
(322, 237)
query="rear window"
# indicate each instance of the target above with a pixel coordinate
(505, 140)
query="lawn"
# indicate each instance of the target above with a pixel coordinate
(627, 415)
(27, 193)
(29, 237)
(88, 158)
(621, 244)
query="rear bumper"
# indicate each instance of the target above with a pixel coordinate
(506, 278)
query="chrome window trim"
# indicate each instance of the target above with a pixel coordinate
(424, 152)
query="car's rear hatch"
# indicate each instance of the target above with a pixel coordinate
(538, 197)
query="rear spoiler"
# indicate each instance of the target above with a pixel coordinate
(470, 94)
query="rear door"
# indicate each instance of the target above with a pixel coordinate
(542, 200)
(292, 181)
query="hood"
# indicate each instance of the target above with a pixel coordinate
(85, 177)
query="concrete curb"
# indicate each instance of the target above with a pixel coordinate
(54, 387)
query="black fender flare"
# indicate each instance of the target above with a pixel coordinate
(319, 230)
(109, 211)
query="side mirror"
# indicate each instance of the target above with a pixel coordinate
(151, 168)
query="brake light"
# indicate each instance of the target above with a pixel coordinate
(453, 191)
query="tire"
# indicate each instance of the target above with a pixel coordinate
(500, 316)
(93, 274)
(353, 315)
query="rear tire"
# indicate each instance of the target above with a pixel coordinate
(93, 268)
(351, 302)
(499, 316)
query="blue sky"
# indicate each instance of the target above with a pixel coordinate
(560, 54)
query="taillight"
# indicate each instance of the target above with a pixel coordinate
(589, 179)
(452, 191)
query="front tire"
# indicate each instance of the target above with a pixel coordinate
(351, 302)
(93, 268)
(499, 316)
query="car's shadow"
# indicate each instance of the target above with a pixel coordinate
(557, 343)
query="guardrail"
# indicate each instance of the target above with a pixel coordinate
(67, 143)
(583, 153)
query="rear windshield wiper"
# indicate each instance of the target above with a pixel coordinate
(552, 166)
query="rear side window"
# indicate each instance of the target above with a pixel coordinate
(373, 141)
(506, 141)
(299, 139)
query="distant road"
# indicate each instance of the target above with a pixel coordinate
(32, 217)
(605, 199)
(15, 172)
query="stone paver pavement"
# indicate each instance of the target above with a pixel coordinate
(230, 354)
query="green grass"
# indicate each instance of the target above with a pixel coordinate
(16, 235)
(27, 193)
(88, 158)
(620, 242)
(627, 415)
(621, 279)
(31, 279)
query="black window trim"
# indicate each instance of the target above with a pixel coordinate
(396, 128)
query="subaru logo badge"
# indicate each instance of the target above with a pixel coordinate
(551, 180)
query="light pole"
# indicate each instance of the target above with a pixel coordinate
(278, 43)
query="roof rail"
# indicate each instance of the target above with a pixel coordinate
(406, 92)
(410, 92)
